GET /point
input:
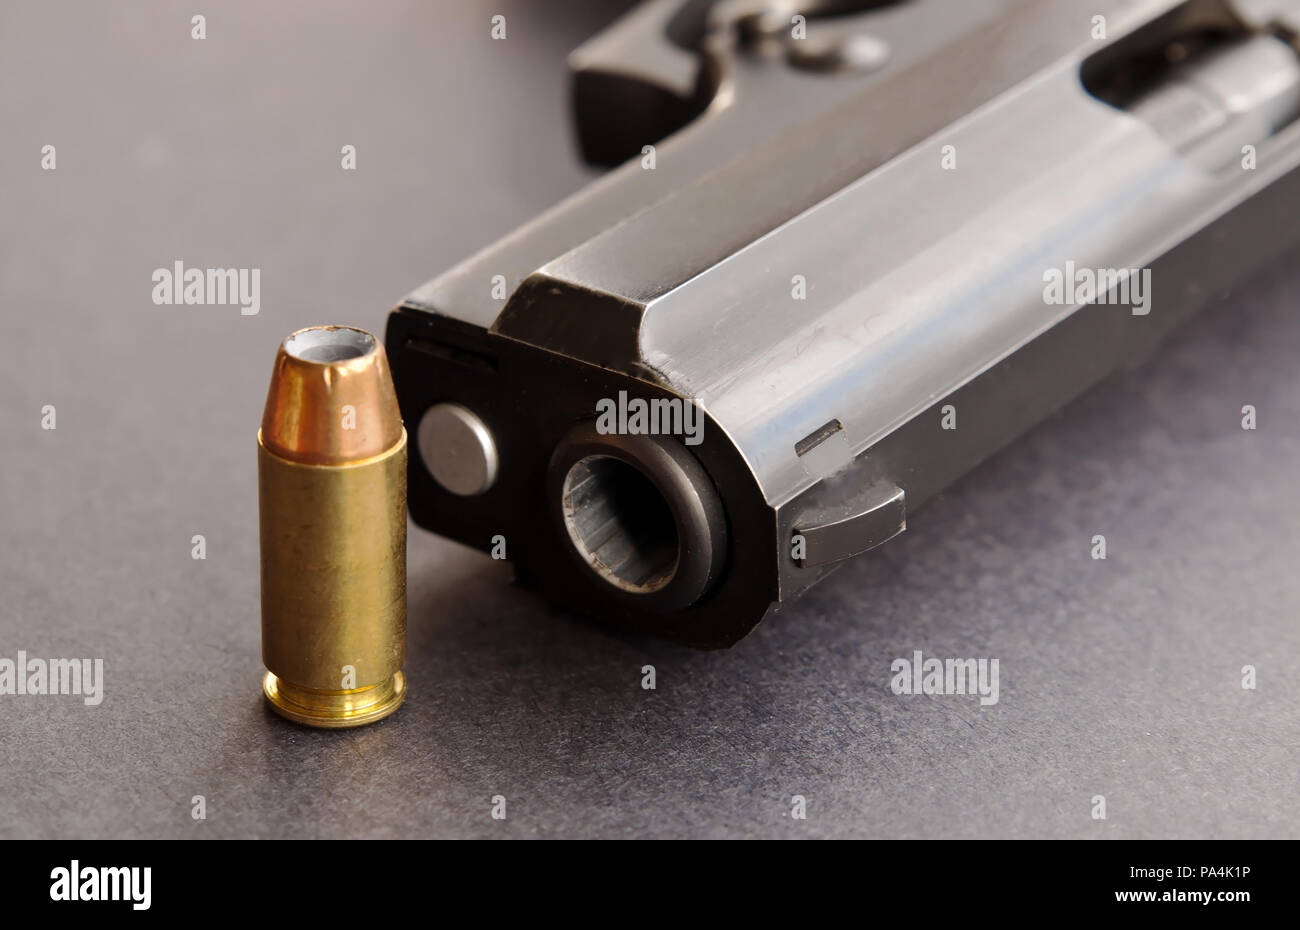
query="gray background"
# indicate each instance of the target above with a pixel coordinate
(1118, 677)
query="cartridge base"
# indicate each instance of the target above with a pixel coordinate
(335, 709)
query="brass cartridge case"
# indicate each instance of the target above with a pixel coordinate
(332, 502)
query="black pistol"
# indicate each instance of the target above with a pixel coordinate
(852, 249)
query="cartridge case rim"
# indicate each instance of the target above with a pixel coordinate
(334, 710)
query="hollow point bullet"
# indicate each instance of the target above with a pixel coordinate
(332, 507)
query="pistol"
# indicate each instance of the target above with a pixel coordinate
(850, 250)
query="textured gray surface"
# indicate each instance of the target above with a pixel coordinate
(1118, 677)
